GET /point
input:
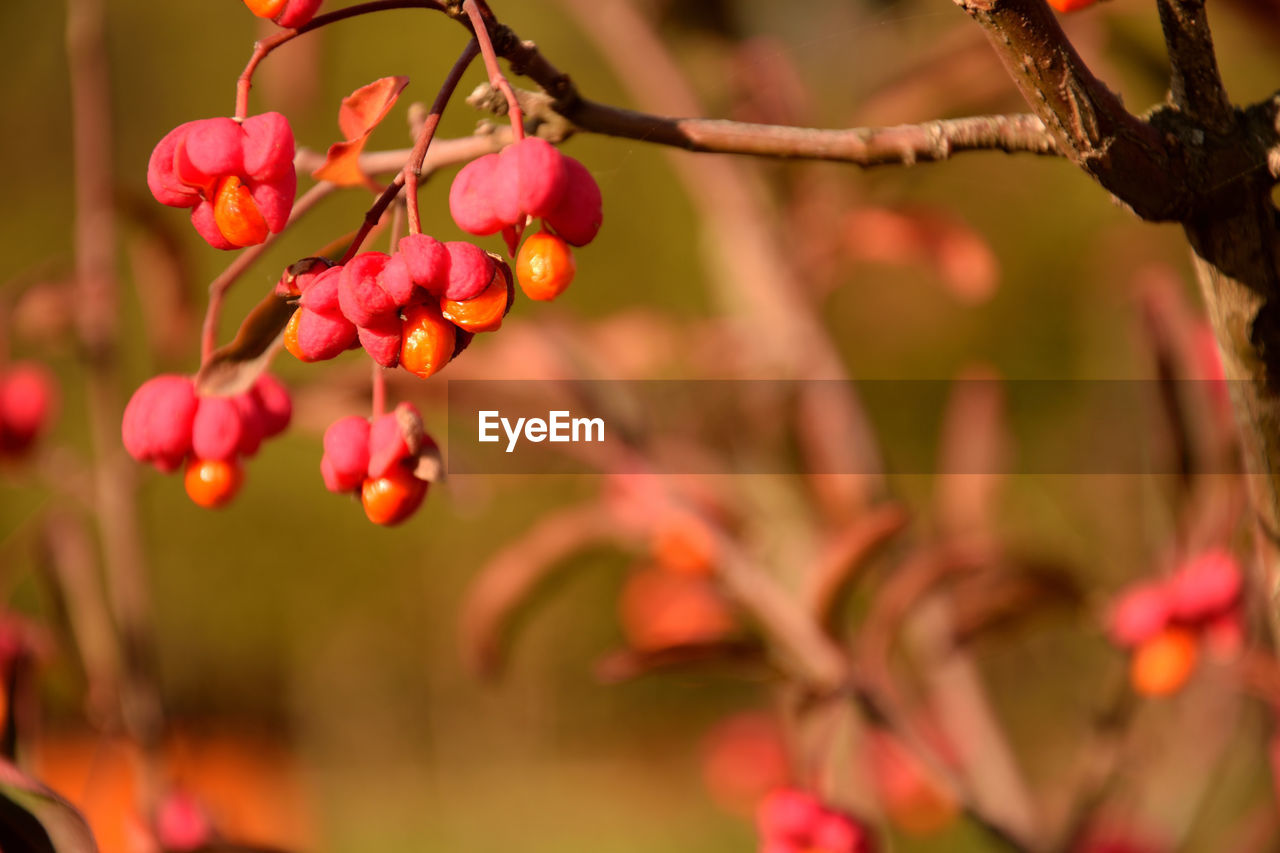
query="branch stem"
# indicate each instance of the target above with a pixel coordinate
(263, 48)
(413, 168)
(496, 78)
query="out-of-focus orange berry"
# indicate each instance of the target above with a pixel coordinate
(265, 8)
(662, 609)
(391, 499)
(1162, 664)
(212, 483)
(1071, 5)
(427, 340)
(545, 266)
(683, 543)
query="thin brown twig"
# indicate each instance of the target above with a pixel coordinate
(413, 168)
(263, 48)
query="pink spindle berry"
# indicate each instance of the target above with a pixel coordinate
(427, 262)
(158, 419)
(273, 403)
(470, 271)
(181, 823)
(580, 212)
(237, 178)
(346, 454)
(387, 444)
(1141, 612)
(1207, 585)
(360, 295)
(470, 197)
(528, 178)
(382, 339)
(794, 821)
(28, 397)
(217, 430)
(378, 461)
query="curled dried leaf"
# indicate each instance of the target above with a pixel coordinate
(360, 113)
(234, 368)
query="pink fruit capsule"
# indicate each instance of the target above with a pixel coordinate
(217, 429)
(470, 271)
(157, 422)
(579, 213)
(1206, 585)
(470, 197)
(346, 454)
(1139, 613)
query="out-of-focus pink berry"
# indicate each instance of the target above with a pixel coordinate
(28, 398)
(217, 429)
(346, 454)
(791, 819)
(181, 823)
(788, 814)
(387, 444)
(274, 404)
(1224, 636)
(158, 420)
(1206, 585)
(1140, 612)
(743, 758)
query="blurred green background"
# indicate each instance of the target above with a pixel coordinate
(289, 612)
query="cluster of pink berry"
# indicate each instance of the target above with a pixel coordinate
(286, 13)
(167, 423)
(1163, 622)
(237, 177)
(377, 459)
(531, 179)
(28, 396)
(416, 308)
(790, 820)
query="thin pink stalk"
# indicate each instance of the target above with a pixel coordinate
(496, 78)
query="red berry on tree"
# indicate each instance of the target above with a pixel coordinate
(212, 483)
(158, 420)
(428, 340)
(28, 397)
(392, 498)
(237, 178)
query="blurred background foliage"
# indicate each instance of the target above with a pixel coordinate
(287, 615)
